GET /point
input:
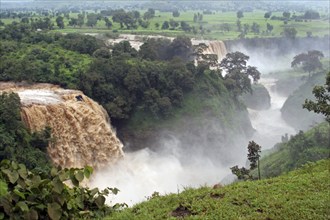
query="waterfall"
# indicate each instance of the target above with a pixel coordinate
(80, 129)
(216, 47)
(269, 125)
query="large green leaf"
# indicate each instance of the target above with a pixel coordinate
(100, 201)
(22, 171)
(53, 171)
(12, 175)
(31, 215)
(3, 188)
(58, 186)
(88, 171)
(54, 211)
(20, 194)
(23, 206)
(79, 176)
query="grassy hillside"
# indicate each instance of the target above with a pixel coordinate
(301, 194)
(310, 146)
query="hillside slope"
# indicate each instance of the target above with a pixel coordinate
(301, 194)
(311, 146)
(292, 111)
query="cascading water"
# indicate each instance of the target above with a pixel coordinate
(80, 128)
(269, 125)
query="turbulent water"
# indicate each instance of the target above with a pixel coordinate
(81, 133)
(269, 125)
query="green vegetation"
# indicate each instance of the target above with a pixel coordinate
(302, 194)
(253, 156)
(292, 110)
(322, 104)
(16, 142)
(222, 25)
(310, 61)
(293, 152)
(31, 195)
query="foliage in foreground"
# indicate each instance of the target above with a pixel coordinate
(30, 195)
(302, 194)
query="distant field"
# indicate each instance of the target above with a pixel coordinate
(211, 24)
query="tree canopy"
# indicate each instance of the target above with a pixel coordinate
(238, 73)
(309, 61)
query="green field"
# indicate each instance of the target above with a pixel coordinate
(211, 24)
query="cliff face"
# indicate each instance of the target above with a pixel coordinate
(81, 131)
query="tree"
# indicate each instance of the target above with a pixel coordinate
(309, 61)
(174, 24)
(267, 15)
(195, 18)
(255, 28)
(181, 47)
(60, 22)
(269, 27)
(253, 156)
(239, 25)
(81, 20)
(91, 20)
(108, 23)
(290, 32)
(185, 26)
(149, 14)
(238, 73)
(239, 14)
(176, 13)
(286, 14)
(73, 22)
(165, 25)
(225, 27)
(322, 102)
(246, 28)
(311, 14)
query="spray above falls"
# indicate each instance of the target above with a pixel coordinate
(81, 132)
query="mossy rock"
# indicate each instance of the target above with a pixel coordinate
(259, 99)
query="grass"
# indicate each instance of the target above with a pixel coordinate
(301, 194)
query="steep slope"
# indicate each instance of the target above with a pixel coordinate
(292, 111)
(209, 123)
(81, 131)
